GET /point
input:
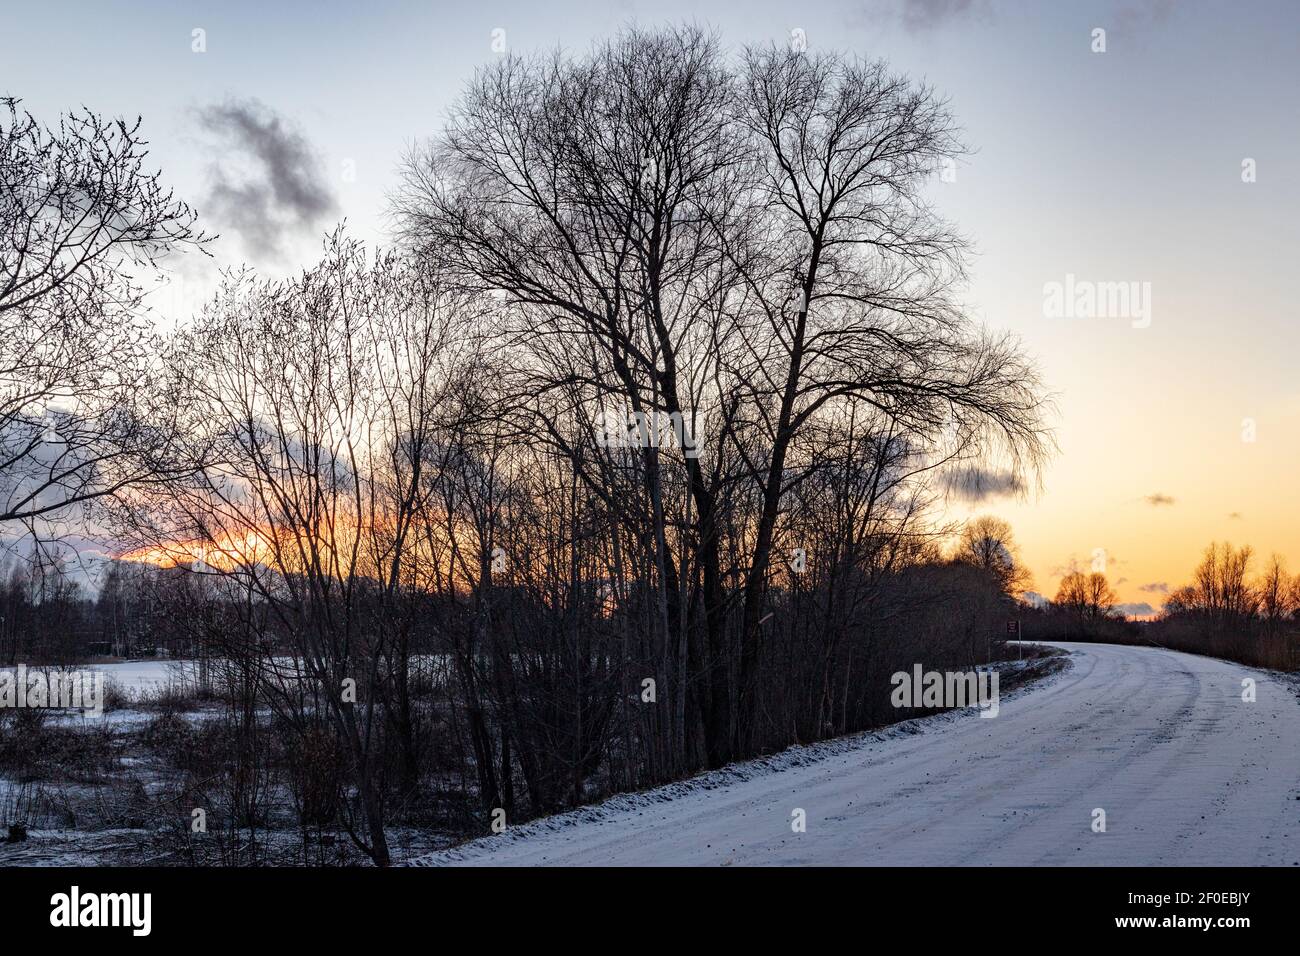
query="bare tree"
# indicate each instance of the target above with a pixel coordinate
(857, 288)
(1275, 595)
(1219, 586)
(988, 543)
(591, 193)
(1089, 597)
(745, 247)
(310, 409)
(80, 216)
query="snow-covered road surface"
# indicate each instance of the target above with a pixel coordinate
(1187, 772)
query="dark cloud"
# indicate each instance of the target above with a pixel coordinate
(975, 484)
(1158, 499)
(283, 191)
(1140, 609)
(1155, 587)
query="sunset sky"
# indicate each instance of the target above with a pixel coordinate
(1122, 166)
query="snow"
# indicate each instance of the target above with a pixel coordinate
(1186, 771)
(134, 676)
(139, 676)
(69, 847)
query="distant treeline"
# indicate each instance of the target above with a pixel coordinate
(51, 615)
(1228, 610)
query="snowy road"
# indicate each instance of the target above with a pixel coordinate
(1186, 771)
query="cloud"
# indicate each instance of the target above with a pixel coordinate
(283, 190)
(1140, 609)
(1158, 499)
(920, 16)
(1034, 599)
(1155, 587)
(1235, 516)
(975, 484)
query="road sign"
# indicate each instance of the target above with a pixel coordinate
(1013, 627)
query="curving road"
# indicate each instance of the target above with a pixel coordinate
(1186, 771)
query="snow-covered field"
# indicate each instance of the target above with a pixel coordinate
(137, 676)
(1186, 771)
(135, 679)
